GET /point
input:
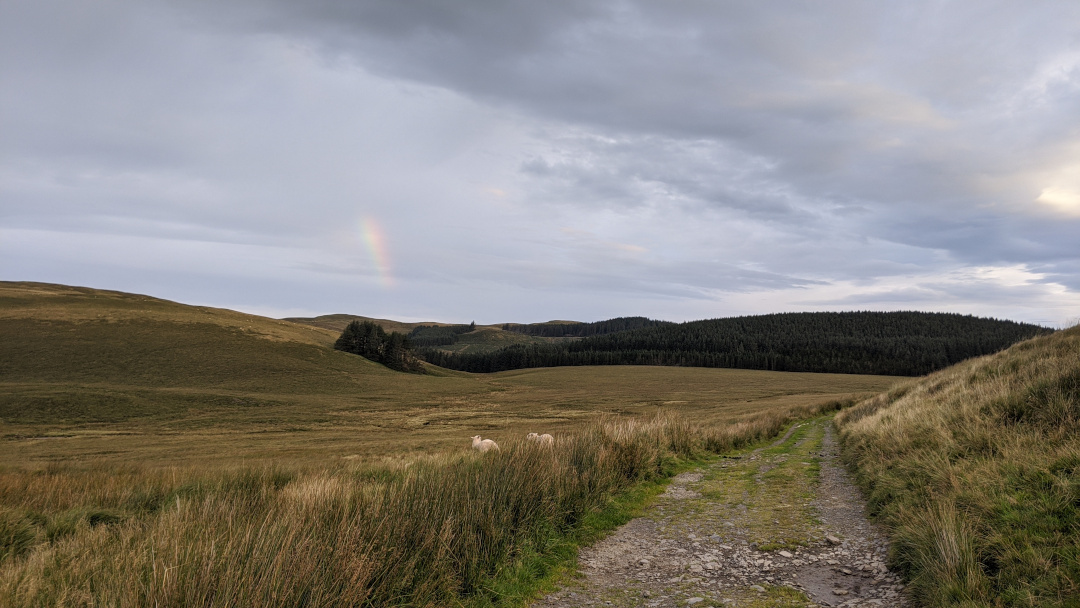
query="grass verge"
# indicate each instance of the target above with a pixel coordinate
(976, 470)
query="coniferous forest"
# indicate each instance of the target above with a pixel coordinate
(885, 343)
(369, 340)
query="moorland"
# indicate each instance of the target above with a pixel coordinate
(156, 453)
(162, 454)
(96, 375)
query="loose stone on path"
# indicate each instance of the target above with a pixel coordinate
(692, 549)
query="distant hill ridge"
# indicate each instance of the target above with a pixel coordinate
(473, 339)
(337, 322)
(888, 343)
(572, 329)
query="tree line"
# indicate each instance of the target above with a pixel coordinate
(885, 343)
(582, 330)
(369, 340)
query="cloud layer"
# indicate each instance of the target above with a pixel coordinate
(530, 160)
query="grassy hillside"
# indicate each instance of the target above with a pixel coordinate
(977, 471)
(489, 339)
(336, 323)
(132, 356)
(89, 375)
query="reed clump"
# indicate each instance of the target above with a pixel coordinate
(976, 469)
(428, 531)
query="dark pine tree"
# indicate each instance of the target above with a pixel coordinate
(370, 341)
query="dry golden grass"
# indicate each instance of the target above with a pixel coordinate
(454, 529)
(977, 470)
(160, 454)
(49, 303)
(420, 415)
(90, 376)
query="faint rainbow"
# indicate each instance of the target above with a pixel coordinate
(376, 244)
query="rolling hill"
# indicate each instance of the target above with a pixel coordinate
(85, 364)
(337, 322)
(121, 344)
(87, 374)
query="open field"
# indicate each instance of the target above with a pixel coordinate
(89, 375)
(161, 454)
(396, 415)
(458, 529)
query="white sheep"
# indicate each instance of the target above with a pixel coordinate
(484, 445)
(544, 439)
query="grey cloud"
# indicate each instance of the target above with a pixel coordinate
(1065, 273)
(631, 171)
(740, 147)
(893, 109)
(939, 295)
(914, 295)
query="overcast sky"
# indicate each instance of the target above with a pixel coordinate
(564, 159)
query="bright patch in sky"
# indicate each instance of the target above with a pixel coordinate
(1061, 200)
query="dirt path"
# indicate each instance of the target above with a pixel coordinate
(781, 526)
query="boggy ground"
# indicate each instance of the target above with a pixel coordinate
(779, 526)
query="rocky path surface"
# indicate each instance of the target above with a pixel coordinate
(780, 526)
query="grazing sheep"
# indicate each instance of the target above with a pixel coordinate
(544, 439)
(483, 445)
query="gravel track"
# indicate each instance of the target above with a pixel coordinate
(761, 530)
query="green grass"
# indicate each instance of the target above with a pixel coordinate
(781, 597)
(487, 339)
(766, 496)
(977, 471)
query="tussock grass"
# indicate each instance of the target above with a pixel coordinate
(977, 471)
(453, 529)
